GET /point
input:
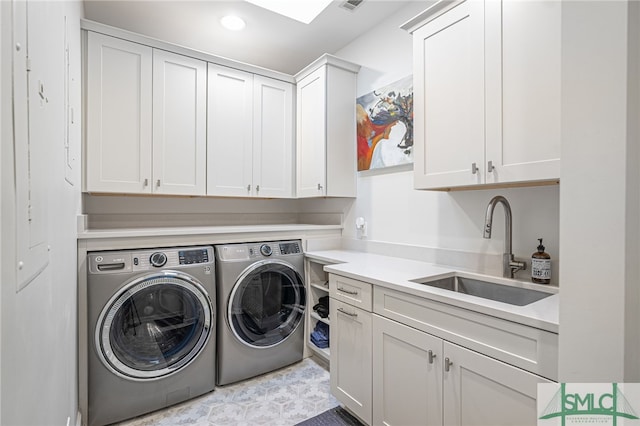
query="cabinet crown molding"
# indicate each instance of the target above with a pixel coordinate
(429, 14)
(88, 25)
(326, 59)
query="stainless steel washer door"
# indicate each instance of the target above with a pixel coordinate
(154, 326)
(266, 304)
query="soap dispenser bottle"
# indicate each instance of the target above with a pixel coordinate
(541, 265)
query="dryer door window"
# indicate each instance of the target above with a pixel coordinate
(154, 326)
(267, 304)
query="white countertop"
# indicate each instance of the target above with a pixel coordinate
(397, 273)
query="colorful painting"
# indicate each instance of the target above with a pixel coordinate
(385, 126)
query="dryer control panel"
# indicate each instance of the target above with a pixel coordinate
(248, 251)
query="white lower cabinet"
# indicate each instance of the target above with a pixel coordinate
(420, 379)
(399, 359)
(407, 375)
(479, 390)
(350, 343)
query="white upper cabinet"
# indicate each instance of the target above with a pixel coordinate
(326, 129)
(179, 124)
(486, 93)
(250, 135)
(230, 132)
(146, 119)
(119, 105)
(273, 171)
(311, 135)
(162, 119)
(523, 90)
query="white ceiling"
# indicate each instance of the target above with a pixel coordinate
(269, 40)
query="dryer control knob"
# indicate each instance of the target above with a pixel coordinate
(158, 259)
(265, 249)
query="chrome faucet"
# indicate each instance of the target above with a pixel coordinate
(509, 265)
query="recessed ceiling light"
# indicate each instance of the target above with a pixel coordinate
(301, 10)
(232, 22)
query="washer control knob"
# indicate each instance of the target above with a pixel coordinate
(265, 249)
(158, 259)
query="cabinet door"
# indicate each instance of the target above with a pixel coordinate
(350, 343)
(449, 98)
(179, 124)
(311, 135)
(523, 90)
(229, 132)
(119, 81)
(272, 137)
(407, 375)
(479, 390)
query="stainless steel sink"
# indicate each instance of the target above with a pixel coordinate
(512, 295)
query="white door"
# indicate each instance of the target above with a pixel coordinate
(179, 124)
(481, 391)
(407, 375)
(523, 90)
(119, 102)
(33, 146)
(350, 343)
(229, 132)
(449, 98)
(311, 135)
(273, 171)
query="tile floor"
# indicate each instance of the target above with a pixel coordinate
(281, 398)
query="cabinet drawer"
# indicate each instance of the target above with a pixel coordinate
(526, 347)
(353, 292)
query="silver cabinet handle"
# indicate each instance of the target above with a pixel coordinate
(257, 188)
(344, 290)
(146, 182)
(490, 167)
(431, 356)
(474, 168)
(158, 183)
(319, 187)
(354, 315)
(249, 187)
(447, 364)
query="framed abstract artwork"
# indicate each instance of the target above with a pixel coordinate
(385, 126)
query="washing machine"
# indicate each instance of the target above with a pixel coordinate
(261, 305)
(151, 330)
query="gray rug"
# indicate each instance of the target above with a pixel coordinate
(333, 417)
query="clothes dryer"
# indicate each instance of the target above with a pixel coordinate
(261, 300)
(151, 330)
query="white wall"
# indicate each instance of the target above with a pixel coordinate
(396, 213)
(599, 195)
(38, 335)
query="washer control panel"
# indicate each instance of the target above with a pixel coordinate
(144, 260)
